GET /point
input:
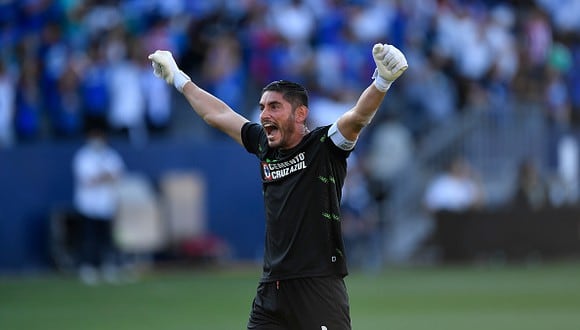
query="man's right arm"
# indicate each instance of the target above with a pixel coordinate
(211, 109)
(214, 111)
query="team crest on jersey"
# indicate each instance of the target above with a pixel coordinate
(266, 171)
(277, 171)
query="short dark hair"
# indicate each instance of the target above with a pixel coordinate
(294, 93)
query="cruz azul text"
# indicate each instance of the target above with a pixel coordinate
(277, 171)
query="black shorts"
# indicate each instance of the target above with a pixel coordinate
(317, 303)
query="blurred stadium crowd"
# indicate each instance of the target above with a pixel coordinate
(65, 62)
(65, 65)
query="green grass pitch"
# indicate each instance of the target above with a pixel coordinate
(537, 297)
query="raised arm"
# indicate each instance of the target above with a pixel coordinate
(211, 109)
(391, 63)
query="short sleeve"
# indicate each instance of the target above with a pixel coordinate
(252, 136)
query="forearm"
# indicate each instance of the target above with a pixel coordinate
(353, 121)
(211, 109)
(214, 111)
(367, 105)
(391, 63)
(207, 106)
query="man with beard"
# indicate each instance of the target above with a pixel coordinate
(303, 172)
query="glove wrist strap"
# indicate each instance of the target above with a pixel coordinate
(381, 83)
(180, 79)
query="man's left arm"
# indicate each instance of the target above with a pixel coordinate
(391, 63)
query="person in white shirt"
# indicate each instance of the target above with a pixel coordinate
(457, 189)
(97, 167)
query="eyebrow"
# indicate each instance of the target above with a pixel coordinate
(270, 103)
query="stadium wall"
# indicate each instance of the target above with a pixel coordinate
(36, 179)
(509, 234)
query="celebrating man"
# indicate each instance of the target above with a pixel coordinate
(303, 172)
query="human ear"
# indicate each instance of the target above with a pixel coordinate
(301, 113)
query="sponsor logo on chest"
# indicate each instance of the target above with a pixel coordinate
(279, 170)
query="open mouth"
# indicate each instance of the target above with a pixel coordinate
(270, 129)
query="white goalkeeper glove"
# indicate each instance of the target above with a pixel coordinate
(391, 63)
(164, 66)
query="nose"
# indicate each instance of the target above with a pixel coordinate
(264, 115)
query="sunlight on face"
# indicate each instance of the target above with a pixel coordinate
(278, 120)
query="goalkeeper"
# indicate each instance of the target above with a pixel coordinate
(302, 172)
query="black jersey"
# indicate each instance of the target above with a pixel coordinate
(302, 189)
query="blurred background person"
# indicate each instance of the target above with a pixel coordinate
(127, 115)
(29, 111)
(360, 220)
(390, 151)
(7, 97)
(531, 189)
(94, 90)
(97, 167)
(457, 188)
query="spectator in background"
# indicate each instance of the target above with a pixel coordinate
(156, 94)
(384, 167)
(55, 55)
(7, 96)
(223, 70)
(157, 99)
(295, 21)
(457, 189)
(536, 38)
(574, 83)
(556, 99)
(432, 96)
(28, 115)
(97, 167)
(360, 219)
(371, 21)
(127, 107)
(68, 115)
(94, 86)
(329, 106)
(531, 190)
(565, 186)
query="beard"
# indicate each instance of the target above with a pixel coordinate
(286, 129)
